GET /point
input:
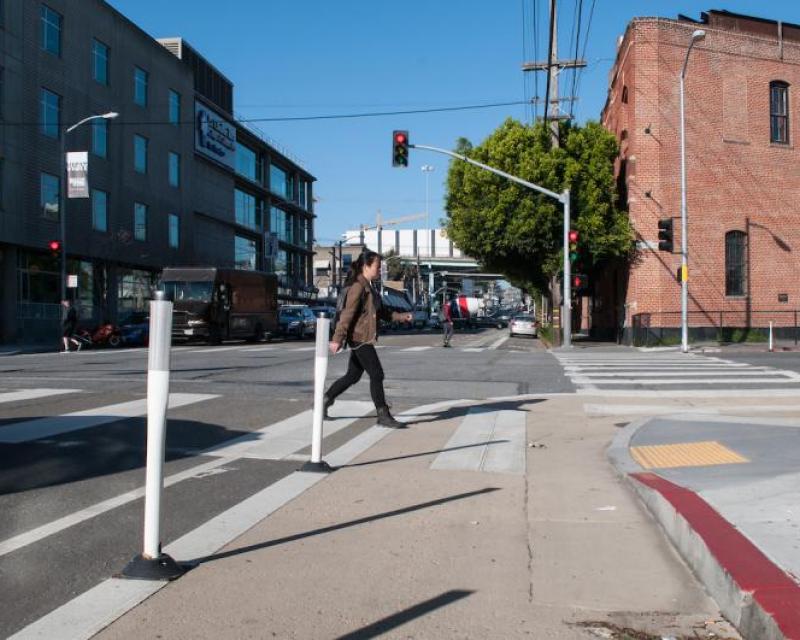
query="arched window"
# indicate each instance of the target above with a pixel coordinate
(779, 112)
(735, 263)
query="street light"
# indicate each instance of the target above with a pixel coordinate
(426, 169)
(63, 193)
(697, 35)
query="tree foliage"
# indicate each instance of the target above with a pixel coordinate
(519, 232)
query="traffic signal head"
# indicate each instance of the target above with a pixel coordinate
(580, 282)
(665, 242)
(573, 245)
(400, 149)
(54, 246)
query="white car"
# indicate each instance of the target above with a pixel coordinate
(522, 325)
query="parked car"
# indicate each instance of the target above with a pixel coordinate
(328, 311)
(523, 325)
(420, 317)
(135, 329)
(297, 320)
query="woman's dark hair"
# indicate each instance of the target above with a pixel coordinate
(366, 259)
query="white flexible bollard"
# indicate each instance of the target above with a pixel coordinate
(320, 371)
(151, 564)
(770, 335)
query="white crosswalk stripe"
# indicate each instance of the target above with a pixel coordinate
(599, 371)
(33, 394)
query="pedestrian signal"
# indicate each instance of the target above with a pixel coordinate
(665, 235)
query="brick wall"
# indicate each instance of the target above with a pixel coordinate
(736, 178)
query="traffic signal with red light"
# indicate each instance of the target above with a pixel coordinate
(55, 247)
(573, 246)
(400, 149)
(580, 283)
(665, 241)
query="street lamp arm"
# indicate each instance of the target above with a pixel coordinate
(105, 116)
(503, 174)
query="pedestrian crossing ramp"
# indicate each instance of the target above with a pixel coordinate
(669, 371)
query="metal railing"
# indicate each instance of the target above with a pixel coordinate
(725, 326)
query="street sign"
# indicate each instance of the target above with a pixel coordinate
(72, 281)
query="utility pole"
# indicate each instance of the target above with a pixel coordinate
(553, 66)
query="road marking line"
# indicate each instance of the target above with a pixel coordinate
(589, 380)
(87, 614)
(473, 349)
(416, 348)
(689, 454)
(216, 349)
(32, 394)
(497, 343)
(30, 430)
(675, 374)
(269, 348)
(646, 409)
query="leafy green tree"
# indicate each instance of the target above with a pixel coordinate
(519, 232)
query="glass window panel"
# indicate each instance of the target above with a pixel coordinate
(49, 193)
(245, 253)
(51, 22)
(779, 112)
(140, 154)
(174, 231)
(174, 107)
(140, 86)
(99, 210)
(49, 113)
(140, 221)
(246, 162)
(735, 263)
(100, 62)
(100, 137)
(277, 181)
(174, 169)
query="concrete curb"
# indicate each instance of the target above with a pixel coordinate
(755, 595)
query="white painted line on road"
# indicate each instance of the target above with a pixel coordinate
(33, 394)
(775, 380)
(644, 409)
(677, 374)
(469, 447)
(30, 430)
(39, 533)
(90, 612)
(473, 349)
(269, 348)
(691, 393)
(276, 441)
(497, 343)
(304, 349)
(660, 366)
(237, 347)
(416, 348)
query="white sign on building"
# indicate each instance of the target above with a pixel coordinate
(214, 136)
(78, 174)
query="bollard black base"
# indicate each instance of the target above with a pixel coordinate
(318, 467)
(161, 568)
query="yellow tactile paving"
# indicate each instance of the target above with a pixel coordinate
(687, 454)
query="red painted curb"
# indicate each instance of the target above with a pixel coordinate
(772, 588)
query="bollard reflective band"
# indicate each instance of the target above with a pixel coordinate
(323, 329)
(160, 335)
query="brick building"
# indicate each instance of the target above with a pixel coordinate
(743, 175)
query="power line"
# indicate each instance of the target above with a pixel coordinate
(549, 58)
(337, 116)
(585, 44)
(536, 54)
(575, 70)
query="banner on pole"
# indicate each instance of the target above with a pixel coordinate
(78, 174)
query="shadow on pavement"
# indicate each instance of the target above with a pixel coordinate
(406, 615)
(342, 525)
(98, 451)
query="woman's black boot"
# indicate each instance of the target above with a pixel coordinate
(327, 402)
(385, 419)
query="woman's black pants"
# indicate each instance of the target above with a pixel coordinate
(363, 357)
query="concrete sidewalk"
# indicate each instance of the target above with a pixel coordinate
(725, 490)
(431, 533)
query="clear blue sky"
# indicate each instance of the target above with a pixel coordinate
(320, 57)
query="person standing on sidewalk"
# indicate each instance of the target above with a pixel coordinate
(447, 323)
(358, 327)
(70, 324)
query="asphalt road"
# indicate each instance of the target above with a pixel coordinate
(72, 441)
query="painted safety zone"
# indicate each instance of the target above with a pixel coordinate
(687, 454)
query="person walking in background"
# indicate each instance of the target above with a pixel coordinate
(69, 326)
(357, 326)
(447, 323)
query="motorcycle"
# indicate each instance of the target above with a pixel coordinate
(103, 335)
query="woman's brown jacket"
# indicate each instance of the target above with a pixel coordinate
(358, 321)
